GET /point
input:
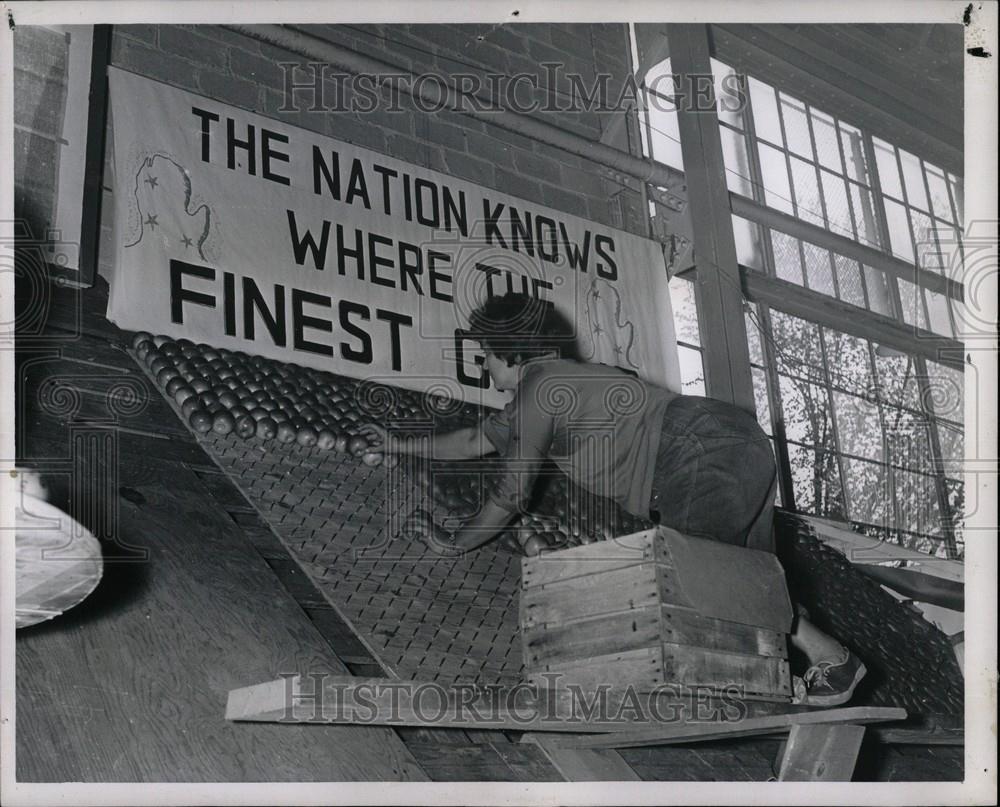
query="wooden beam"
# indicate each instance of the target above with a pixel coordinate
(833, 313)
(848, 247)
(821, 753)
(681, 732)
(717, 285)
(582, 764)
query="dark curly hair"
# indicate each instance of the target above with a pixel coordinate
(516, 327)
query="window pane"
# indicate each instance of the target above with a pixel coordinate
(665, 139)
(849, 281)
(749, 250)
(734, 152)
(849, 363)
(958, 197)
(777, 193)
(916, 503)
(907, 440)
(864, 216)
(797, 347)
(692, 373)
(807, 201)
(912, 303)
(825, 136)
(819, 274)
(765, 112)
(858, 427)
(916, 195)
(838, 214)
(685, 312)
(796, 126)
(899, 230)
(754, 345)
(806, 412)
(760, 399)
(940, 202)
(854, 153)
(897, 381)
(787, 264)
(946, 391)
(868, 491)
(728, 103)
(816, 481)
(888, 170)
(952, 441)
(937, 306)
(878, 291)
(925, 238)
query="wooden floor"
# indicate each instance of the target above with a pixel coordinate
(200, 597)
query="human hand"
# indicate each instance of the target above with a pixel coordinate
(377, 436)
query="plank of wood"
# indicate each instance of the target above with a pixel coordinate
(697, 667)
(584, 764)
(641, 669)
(389, 701)
(669, 733)
(603, 556)
(821, 753)
(584, 597)
(615, 633)
(685, 626)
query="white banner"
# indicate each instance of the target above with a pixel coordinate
(245, 233)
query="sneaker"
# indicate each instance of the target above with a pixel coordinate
(831, 683)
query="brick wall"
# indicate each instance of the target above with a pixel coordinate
(242, 71)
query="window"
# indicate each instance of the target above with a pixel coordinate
(863, 427)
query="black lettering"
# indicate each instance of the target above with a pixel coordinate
(605, 246)
(434, 219)
(411, 264)
(548, 239)
(179, 295)
(395, 320)
(489, 271)
(254, 302)
(301, 321)
(491, 215)
(320, 168)
(356, 185)
(248, 145)
(520, 232)
(229, 302)
(375, 260)
(434, 276)
(386, 174)
(480, 381)
(343, 251)
(307, 242)
(267, 154)
(207, 119)
(363, 354)
(577, 257)
(455, 213)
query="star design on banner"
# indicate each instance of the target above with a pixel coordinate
(186, 241)
(152, 181)
(618, 350)
(151, 221)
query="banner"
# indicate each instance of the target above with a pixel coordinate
(246, 233)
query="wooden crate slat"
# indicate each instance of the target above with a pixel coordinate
(583, 597)
(642, 669)
(596, 558)
(687, 627)
(615, 633)
(695, 666)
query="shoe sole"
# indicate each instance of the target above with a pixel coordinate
(841, 697)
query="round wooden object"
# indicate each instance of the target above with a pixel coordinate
(57, 562)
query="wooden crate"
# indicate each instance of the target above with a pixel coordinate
(657, 608)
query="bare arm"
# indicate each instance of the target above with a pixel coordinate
(461, 444)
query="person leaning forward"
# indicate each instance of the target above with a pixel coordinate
(700, 466)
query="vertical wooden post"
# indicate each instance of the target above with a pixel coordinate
(717, 286)
(821, 753)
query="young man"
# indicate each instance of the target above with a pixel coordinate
(697, 465)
